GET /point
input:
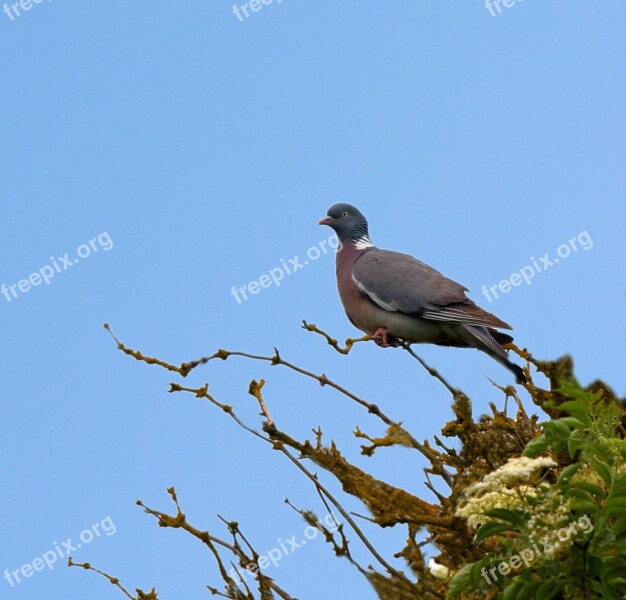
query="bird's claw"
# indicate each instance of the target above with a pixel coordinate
(385, 338)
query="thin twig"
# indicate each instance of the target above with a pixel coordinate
(185, 368)
(139, 356)
(323, 380)
(180, 521)
(203, 393)
(349, 343)
(431, 371)
(113, 580)
(344, 514)
(509, 390)
(255, 390)
(403, 344)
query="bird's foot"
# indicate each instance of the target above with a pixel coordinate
(386, 339)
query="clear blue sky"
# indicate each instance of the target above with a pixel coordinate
(201, 151)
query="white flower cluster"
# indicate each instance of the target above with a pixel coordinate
(505, 487)
(548, 521)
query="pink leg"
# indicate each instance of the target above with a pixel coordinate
(387, 339)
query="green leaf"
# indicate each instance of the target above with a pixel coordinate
(581, 494)
(572, 423)
(532, 500)
(529, 591)
(585, 507)
(603, 470)
(621, 446)
(612, 576)
(476, 573)
(512, 590)
(558, 429)
(619, 527)
(536, 446)
(461, 582)
(608, 593)
(510, 516)
(548, 589)
(614, 562)
(574, 444)
(489, 529)
(568, 471)
(593, 564)
(619, 486)
(615, 506)
(592, 488)
(573, 390)
(596, 450)
(614, 571)
(580, 410)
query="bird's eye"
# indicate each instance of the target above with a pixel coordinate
(345, 213)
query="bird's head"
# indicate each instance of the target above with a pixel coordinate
(348, 223)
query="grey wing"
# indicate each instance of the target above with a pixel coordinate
(398, 282)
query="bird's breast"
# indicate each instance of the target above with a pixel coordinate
(368, 317)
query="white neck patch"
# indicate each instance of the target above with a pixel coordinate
(363, 243)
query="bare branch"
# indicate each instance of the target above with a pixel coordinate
(113, 580)
(349, 343)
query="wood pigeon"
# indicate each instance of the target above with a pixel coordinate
(397, 297)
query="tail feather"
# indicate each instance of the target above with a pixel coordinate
(501, 338)
(489, 342)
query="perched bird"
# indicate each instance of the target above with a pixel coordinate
(394, 296)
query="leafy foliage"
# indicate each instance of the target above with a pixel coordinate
(569, 534)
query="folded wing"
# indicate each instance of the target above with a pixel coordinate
(398, 282)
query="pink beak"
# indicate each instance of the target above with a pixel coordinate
(325, 221)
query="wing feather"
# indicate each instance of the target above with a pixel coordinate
(398, 282)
